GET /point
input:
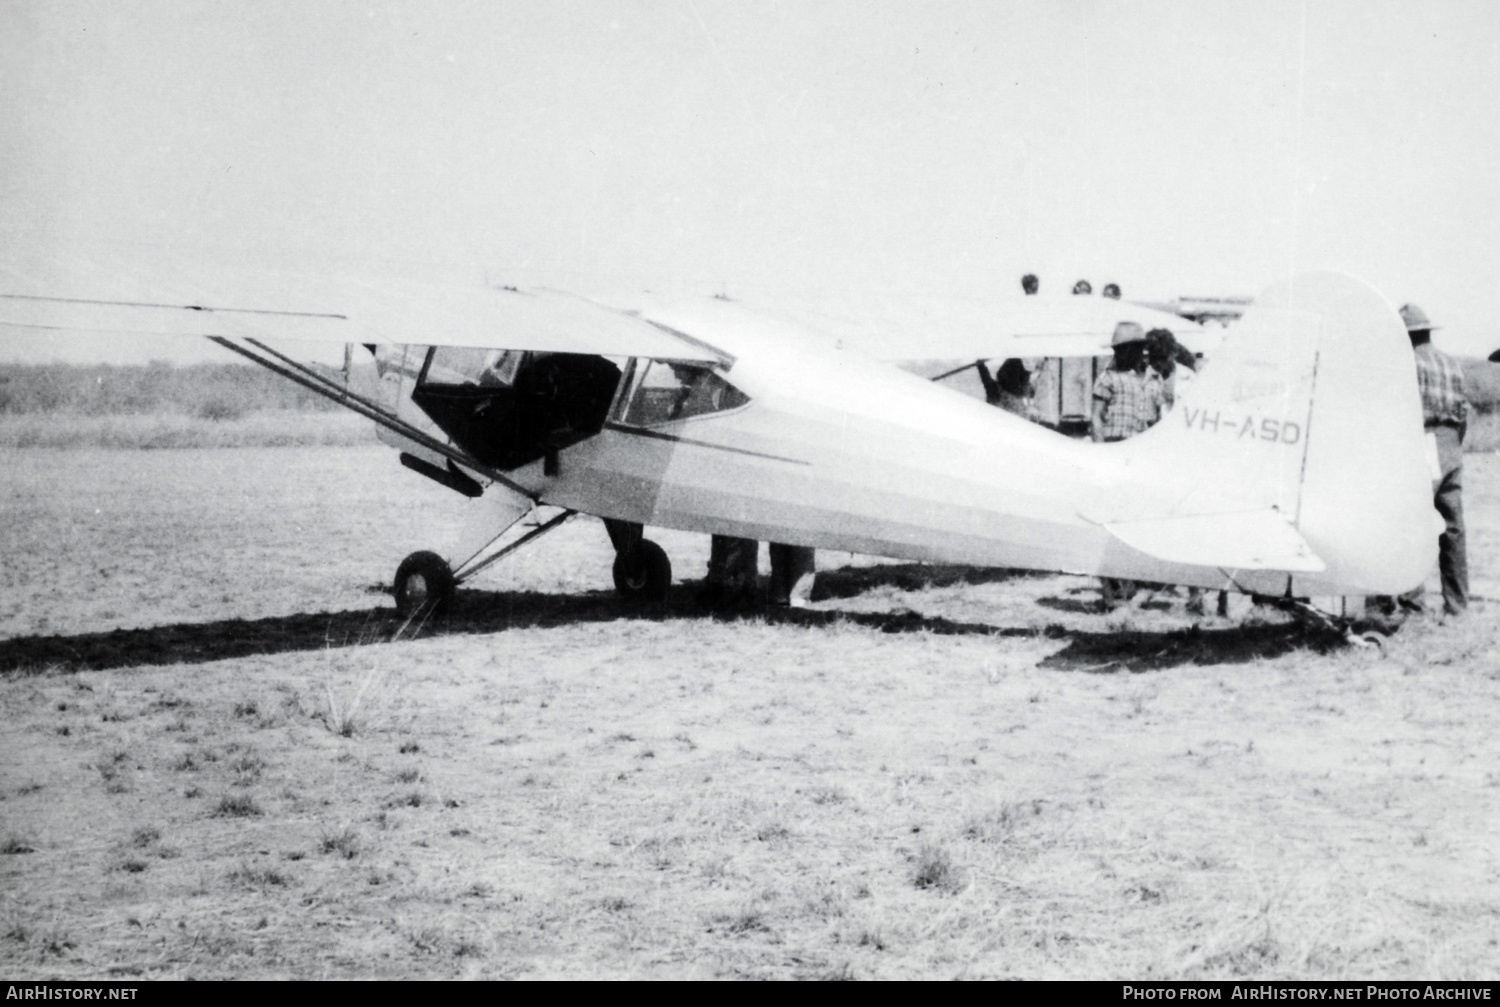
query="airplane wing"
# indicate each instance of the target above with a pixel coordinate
(1250, 540)
(907, 329)
(270, 306)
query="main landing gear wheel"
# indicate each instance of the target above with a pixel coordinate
(646, 575)
(424, 586)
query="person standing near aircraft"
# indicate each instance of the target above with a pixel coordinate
(793, 569)
(1125, 403)
(1445, 414)
(1167, 359)
(1010, 388)
(733, 572)
(1170, 363)
(1112, 291)
(1083, 287)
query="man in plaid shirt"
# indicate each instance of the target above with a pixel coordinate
(1445, 414)
(1125, 403)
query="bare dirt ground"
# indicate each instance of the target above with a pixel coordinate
(224, 757)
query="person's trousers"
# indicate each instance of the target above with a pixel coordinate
(1453, 555)
(1448, 498)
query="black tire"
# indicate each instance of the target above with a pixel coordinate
(424, 586)
(648, 578)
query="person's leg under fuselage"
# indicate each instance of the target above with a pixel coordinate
(1453, 559)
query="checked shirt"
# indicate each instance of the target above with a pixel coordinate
(1131, 403)
(1441, 382)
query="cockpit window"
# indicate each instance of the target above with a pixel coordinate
(457, 366)
(663, 391)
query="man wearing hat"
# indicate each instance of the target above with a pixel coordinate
(1445, 414)
(1125, 403)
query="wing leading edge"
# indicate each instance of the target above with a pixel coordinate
(352, 312)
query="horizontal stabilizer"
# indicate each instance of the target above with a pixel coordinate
(1249, 540)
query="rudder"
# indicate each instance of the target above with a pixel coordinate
(1310, 409)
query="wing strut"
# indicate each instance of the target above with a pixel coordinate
(320, 385)
(470, 568)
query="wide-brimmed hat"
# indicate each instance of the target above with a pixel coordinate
(1416, 319)
(1128, 332)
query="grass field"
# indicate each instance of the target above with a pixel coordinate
(162, 431)
(224, 758)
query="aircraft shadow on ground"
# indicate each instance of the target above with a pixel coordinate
(1110, 651)
(484, 612)
(851, 581)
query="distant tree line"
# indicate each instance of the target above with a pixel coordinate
(230, 390)
(209, 391)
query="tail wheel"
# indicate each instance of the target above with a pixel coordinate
(646, 575)
(424, 585)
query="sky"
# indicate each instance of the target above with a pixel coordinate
(769, 151)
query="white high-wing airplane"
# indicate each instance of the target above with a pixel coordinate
(1295, 465)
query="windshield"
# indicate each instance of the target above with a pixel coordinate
(664, 390)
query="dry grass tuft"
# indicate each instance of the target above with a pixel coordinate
(826, 795)
(746, 921)
(259, 877)
(116, 781)
(347, 715)
(247, 769)
(428, 940)
(345, 842)
(773, 832)
(48, 941)
(12, 846)
(997, 826)
(467, 948)
(237, 806)
(935, 870)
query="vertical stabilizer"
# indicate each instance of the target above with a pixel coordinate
(1310, 410)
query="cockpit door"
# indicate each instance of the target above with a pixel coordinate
(508, 407)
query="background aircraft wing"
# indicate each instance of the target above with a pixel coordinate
(906, 329)
(276, 306)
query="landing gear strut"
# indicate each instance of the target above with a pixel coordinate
(424, 586)
(642, 571)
